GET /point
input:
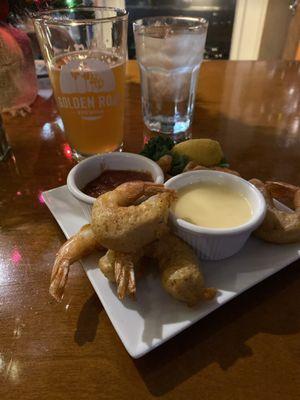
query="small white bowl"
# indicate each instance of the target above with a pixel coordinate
(212, 243)
(89, 169)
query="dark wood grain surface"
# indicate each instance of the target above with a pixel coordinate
(248, 349)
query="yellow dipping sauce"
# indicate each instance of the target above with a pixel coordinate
(212, 205)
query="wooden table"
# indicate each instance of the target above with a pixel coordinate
(248, 349)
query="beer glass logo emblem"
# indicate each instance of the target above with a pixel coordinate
(89, 76)
(87, 86)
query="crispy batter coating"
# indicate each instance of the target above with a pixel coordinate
(279, 226)
(121, 226)
(180, 271)
(165, 163)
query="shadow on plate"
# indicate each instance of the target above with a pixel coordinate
(156, 307)
(222, 337)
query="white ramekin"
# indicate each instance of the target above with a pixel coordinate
(211, 243)
(89, 169)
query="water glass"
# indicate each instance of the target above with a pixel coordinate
(169, 52)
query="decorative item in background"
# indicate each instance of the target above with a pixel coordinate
(18, 81)
(4, 146)
(19, 8)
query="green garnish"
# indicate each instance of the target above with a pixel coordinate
(162, 145)
(157, 147)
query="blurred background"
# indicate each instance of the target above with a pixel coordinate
(238, 29)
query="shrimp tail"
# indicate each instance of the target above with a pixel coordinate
(262, 188)
(285, 192)
(78, 246)
(120, 268)
(59, 279)
(124, 275)
(279, 226)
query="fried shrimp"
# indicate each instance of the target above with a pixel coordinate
(193, 166)
(165, 163)
(180, 272)
(120, 225)
(120, 268)
(179, 268)
(78, 246)
(279, 226)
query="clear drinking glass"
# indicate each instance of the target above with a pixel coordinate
(169, 52)
(85, 49)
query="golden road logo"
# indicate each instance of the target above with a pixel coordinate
(92, 78)
(88, 76)
(87, 87)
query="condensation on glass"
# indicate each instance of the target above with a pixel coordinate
(169, 52)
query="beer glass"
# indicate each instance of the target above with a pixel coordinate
(85, 49)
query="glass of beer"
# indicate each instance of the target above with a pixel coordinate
(85, 49)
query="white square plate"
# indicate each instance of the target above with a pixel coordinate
(155, 317)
